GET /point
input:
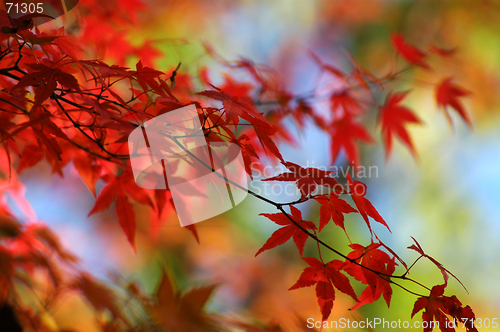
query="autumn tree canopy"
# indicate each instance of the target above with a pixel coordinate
(70, 99)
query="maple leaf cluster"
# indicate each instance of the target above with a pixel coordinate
(62, 109)
(436, 307)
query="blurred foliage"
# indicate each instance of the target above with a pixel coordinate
(434, 197)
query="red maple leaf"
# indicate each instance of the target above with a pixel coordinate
(234, 106)
(264, 130)
(365, 207)
(434, 308)
(362, 75)
(241, 107)
(463, 314)
(126, 217)
(333, 207)
(408, 52)
(376, 260)
(369, 296)
(121, 188)
(290, 230)
(247, 151)
(44, 79)
(147, 77)
(448, 94)
(327, 67)
(346, 133)
(45, 130)
(237, 89)
(345, 101)
(324, 276)
(306, 179)
(437, 306)
(326, 295)
(393, 118)
(440, 266)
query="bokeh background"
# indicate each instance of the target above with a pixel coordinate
(447, 198)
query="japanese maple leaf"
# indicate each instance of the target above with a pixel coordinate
(374, 259)
(346, 133)
(88, 169)
(437, 306)
(329, 68)
(242, 107)
(121, 188)
(408, 52)
(448, 94)
(304, 111)
(365, 207)
(161, 201)
(252, 69)
(174, 311)
(362, 75)
(333, 207)
(243, 145)
(324, 276)
(440, 266)
(290, 230)
(45, 130)
(31, 155)
(326, 295)
(44, 79)
(264, 130)
(98, 295)
(464, 314)
(306, 179)
(236, 89)
(345, 101)
(393, 119)
(369, 296)
(147, 77)
(234, 106)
